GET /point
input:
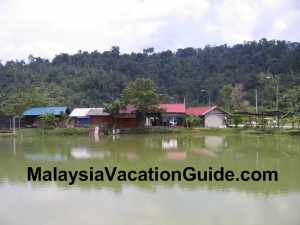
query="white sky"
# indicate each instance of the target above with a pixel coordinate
(48, 27)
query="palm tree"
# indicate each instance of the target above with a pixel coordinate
(113, 108)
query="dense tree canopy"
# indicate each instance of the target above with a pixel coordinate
(141, 93)
(230, 74)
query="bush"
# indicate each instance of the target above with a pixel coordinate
(236, 120)
(48, 121)
(192, 121)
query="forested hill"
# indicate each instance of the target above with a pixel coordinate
(229, 74)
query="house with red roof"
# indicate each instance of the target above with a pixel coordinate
(211, 116)
(172, 114)
(167, 115)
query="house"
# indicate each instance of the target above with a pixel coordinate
(79, 117)
(172, 114)
(100, 118)
(212, 116)
(127, 117)
(85, 117)
(30, 117)
(168, 114)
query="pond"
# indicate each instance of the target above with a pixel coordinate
(143, 203)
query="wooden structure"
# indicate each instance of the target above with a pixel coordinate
(127, 117)
(261, 119)
(172, 114)
(100, 118)
(211, 116)
(79, 117)
(91, 117)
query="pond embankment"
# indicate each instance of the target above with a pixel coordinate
(242, 131)
(203, 131)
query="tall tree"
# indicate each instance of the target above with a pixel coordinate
(225, 97)
(141, 93)
(88, 79)
(16, 104)
(237, 98)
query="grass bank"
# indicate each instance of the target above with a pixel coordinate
(151, 130)
(203, 131)
(55, 131)
(6, 134)
(240, 131)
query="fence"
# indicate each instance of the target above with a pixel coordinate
(7, 123)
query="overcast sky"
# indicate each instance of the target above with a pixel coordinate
(47, 27)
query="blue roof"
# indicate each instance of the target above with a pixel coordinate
(38, 111)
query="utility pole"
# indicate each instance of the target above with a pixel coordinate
(203, 90)
(256, 101)
(277, 94)
(14, 125)
(276, 79)
(277, 101)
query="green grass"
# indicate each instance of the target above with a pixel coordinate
(155, 130)
(55, 131)
(204, 131)
(241, 131)
(6, 134)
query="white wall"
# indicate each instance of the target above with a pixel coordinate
(214, 119)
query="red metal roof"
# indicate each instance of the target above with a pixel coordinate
(130, 108)
(200, 110)
(173, 108)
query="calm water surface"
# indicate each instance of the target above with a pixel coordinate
(143, 203)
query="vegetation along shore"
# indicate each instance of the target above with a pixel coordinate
(254, 85)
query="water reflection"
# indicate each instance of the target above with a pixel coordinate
(215, 143)
(45, 157)
(129, 155)
(162, 202)
(165, 151)
(169, 144)
(164, 206)
(204, 152)
(176, 155)
(85, 153)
